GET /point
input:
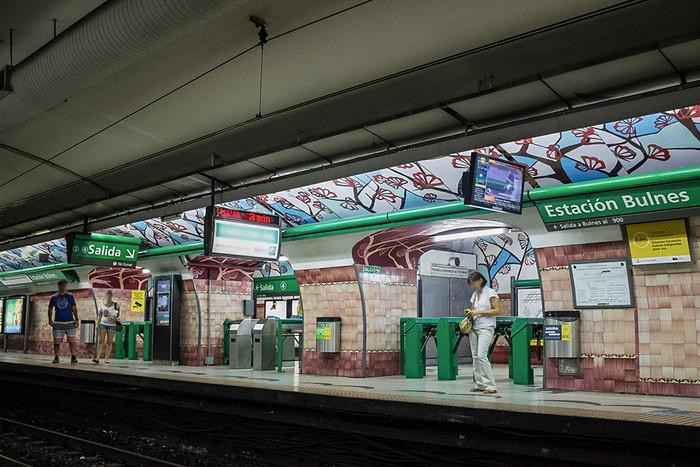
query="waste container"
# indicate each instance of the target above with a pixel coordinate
(562, 334)
(87, 331)
(241, 343)
(328, 334)
(264, 344)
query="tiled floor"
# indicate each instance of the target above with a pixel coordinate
(532, 399)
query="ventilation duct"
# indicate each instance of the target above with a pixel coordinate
(112, 37)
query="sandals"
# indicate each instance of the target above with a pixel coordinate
(96, 361)
(477, 389)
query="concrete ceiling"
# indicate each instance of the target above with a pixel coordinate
(347, 86)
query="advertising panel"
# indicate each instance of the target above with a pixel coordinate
(659, 242)
(14, 309)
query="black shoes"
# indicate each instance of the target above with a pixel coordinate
(56, 360)
(74, 359)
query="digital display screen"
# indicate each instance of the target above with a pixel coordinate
(13, 315)
(494, 184)
(163, 286)
(163, 309)
(246, 216)
(241, 234)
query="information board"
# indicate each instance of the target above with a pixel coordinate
(14, 309)
(493, 184)
(528, 302)
(601, 284)
(102, 250)
(239, 234)
(658, 242)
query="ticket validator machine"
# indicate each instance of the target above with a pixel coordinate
(241, 343)
(166, 318)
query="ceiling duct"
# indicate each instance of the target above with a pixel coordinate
(110, 38)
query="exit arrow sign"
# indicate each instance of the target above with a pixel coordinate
(102, 250)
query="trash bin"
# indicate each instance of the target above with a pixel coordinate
(562, 334)
(87, 331)
(328, 334)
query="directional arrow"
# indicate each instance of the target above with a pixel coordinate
(130, 254)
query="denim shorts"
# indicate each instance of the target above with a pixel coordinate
(64, 329)
(108, 327)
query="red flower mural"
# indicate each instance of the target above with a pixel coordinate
(395, 182)
(658, 153)
(423, 181)
(686, 113)
(324, 193)
(346, 181)
(429, 197)
(350, 204)
(627, 126)
(623, 152)
(590, 163)
(663, 120)
(461, 162)
(303, 197)
(385, 195)
(587, 135)
(554, 152)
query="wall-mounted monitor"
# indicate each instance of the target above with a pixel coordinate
(241, 234)
(494, 184)
(14, 311)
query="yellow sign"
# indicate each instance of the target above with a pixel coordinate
(326, 334)
(138, 301)
(658, 242)
(565, 332)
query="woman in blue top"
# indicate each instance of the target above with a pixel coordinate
(65, 320)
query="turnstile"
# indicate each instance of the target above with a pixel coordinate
(241, 343)
(264, 344)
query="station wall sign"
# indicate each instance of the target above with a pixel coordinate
(280, 285)
(621, 207)
(45, 277)
(658, 242)
(102, 250)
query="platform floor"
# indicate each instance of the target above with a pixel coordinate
(527, 399)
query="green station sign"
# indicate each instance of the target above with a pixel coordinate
(43, 277)
(102, 250)
(280, 285)
(621, 207)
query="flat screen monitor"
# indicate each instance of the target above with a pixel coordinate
(240, 234)
(13, 314)
(494, 184)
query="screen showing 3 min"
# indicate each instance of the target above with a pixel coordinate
(494, 184)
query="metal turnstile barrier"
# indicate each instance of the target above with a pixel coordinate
(264, 344)
(241, 343)
(290, 341)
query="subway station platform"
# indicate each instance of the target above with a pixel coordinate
(537, 423)
(526, 399)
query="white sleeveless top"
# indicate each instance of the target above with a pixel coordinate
(108, 314)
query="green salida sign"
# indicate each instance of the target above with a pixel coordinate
(621, 207)
(278, 285)
(102, 250)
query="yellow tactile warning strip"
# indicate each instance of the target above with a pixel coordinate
(242, 379)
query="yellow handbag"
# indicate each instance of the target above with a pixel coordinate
(466, 324)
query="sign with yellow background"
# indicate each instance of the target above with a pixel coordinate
(138, 301)
(658, 242)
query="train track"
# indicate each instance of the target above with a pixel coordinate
(77, 451)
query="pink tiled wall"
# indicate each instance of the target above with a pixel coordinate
(40, 336)
(389, 295)
(226, 303)
(649, 349)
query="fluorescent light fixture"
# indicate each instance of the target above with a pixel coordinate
(145, 271)
(468, 234)
(283, 258)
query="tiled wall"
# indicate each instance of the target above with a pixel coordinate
(40, 336)
(226, 303)
(649, 349)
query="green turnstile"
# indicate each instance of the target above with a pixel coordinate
(415, 333)
(125, 340)
(289, 333)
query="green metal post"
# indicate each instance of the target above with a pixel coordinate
(147, 340)
(447, 359)
(133, 331)
(521, 333)
(119, 343)
(415, 358)
(510, 361)
(402, 346)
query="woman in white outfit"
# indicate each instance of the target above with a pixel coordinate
(485, 306)
(107, 314)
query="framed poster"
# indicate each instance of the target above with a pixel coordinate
(659, 242)
(602, 283)
(528, 302)
(14, 312)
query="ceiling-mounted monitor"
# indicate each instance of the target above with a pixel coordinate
(494, 184)
(241, 234)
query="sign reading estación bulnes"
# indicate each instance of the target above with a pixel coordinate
(102, 250)
(620, 207)
(241, 234)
